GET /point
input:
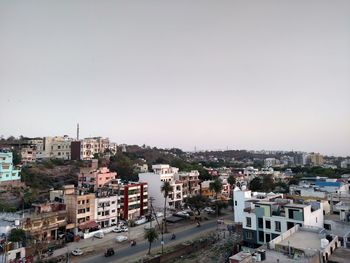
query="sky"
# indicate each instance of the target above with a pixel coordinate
(219, 74)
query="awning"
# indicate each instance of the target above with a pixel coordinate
(89, 225)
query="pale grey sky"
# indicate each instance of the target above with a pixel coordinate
(242, 74)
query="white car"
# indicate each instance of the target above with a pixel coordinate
(209, 210)
(99, 235)
(120, 239)
(120, 229)
(141, 221)
(159, 214)
(77, 252)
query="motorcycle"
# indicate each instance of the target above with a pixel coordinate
(173, 237)
(133, 243)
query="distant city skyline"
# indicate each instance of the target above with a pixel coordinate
(212, 74)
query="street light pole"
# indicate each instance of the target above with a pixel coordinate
(162, 242)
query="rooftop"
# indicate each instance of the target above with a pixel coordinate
(303, 240)
(340, 255)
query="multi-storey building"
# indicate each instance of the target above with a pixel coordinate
(92, 146)
(45, 221)
(8, 173)
(345, 163)
(163, 173)
(224, 193)
(133, 199)
(95, 178)
(80, 207)
(316, 159)
(265, 220)
(28, 155)
(106, 211)
(52, 147)
(190, 182)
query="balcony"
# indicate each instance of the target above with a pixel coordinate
(249, 210)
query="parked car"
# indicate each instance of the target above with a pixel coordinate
(141, 221)
(99, 235)
(120, 239)
(109, 252)
(159, 214)
(77, 252)
(209, 210)
(120, 229)
(182, 214)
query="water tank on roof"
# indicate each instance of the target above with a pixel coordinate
(324, 243)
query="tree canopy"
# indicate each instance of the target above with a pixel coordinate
(17, 235)
(196, 203)
(150, 235)
(123, 165)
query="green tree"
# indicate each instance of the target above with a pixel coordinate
(216, 186)
(197, 203)
(268, 183)
(16, 157)
(17, 235)
(232, 181)
(151, 235)
(256, 184)
(220, 206)
(166, 188)
(123, 165)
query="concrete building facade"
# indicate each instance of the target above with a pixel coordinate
(8, 173)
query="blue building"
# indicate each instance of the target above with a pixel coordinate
(8, 173)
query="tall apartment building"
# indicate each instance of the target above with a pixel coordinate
(80, 207)
(264, 220)
(163, 173)
(106, 211)
(133, 199)
(190, 183)
(316, 159)
(8, 173)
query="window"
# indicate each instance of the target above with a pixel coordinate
(268, 224)
(260, 222)
(278, 226)
(249, 235)
(249, 222)
(88, 209)
(235, 203)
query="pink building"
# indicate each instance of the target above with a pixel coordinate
(95, 179)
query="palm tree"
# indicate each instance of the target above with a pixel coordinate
(216, 186)
(151, 235)
(165, 189)
(232, 181)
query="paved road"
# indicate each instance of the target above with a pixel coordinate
(142, 247)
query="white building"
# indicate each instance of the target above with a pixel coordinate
(106, 208)
(53, 147)
(270, 162)
(266, 217)
(163, 173)
(95, 145)
(345, 164)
